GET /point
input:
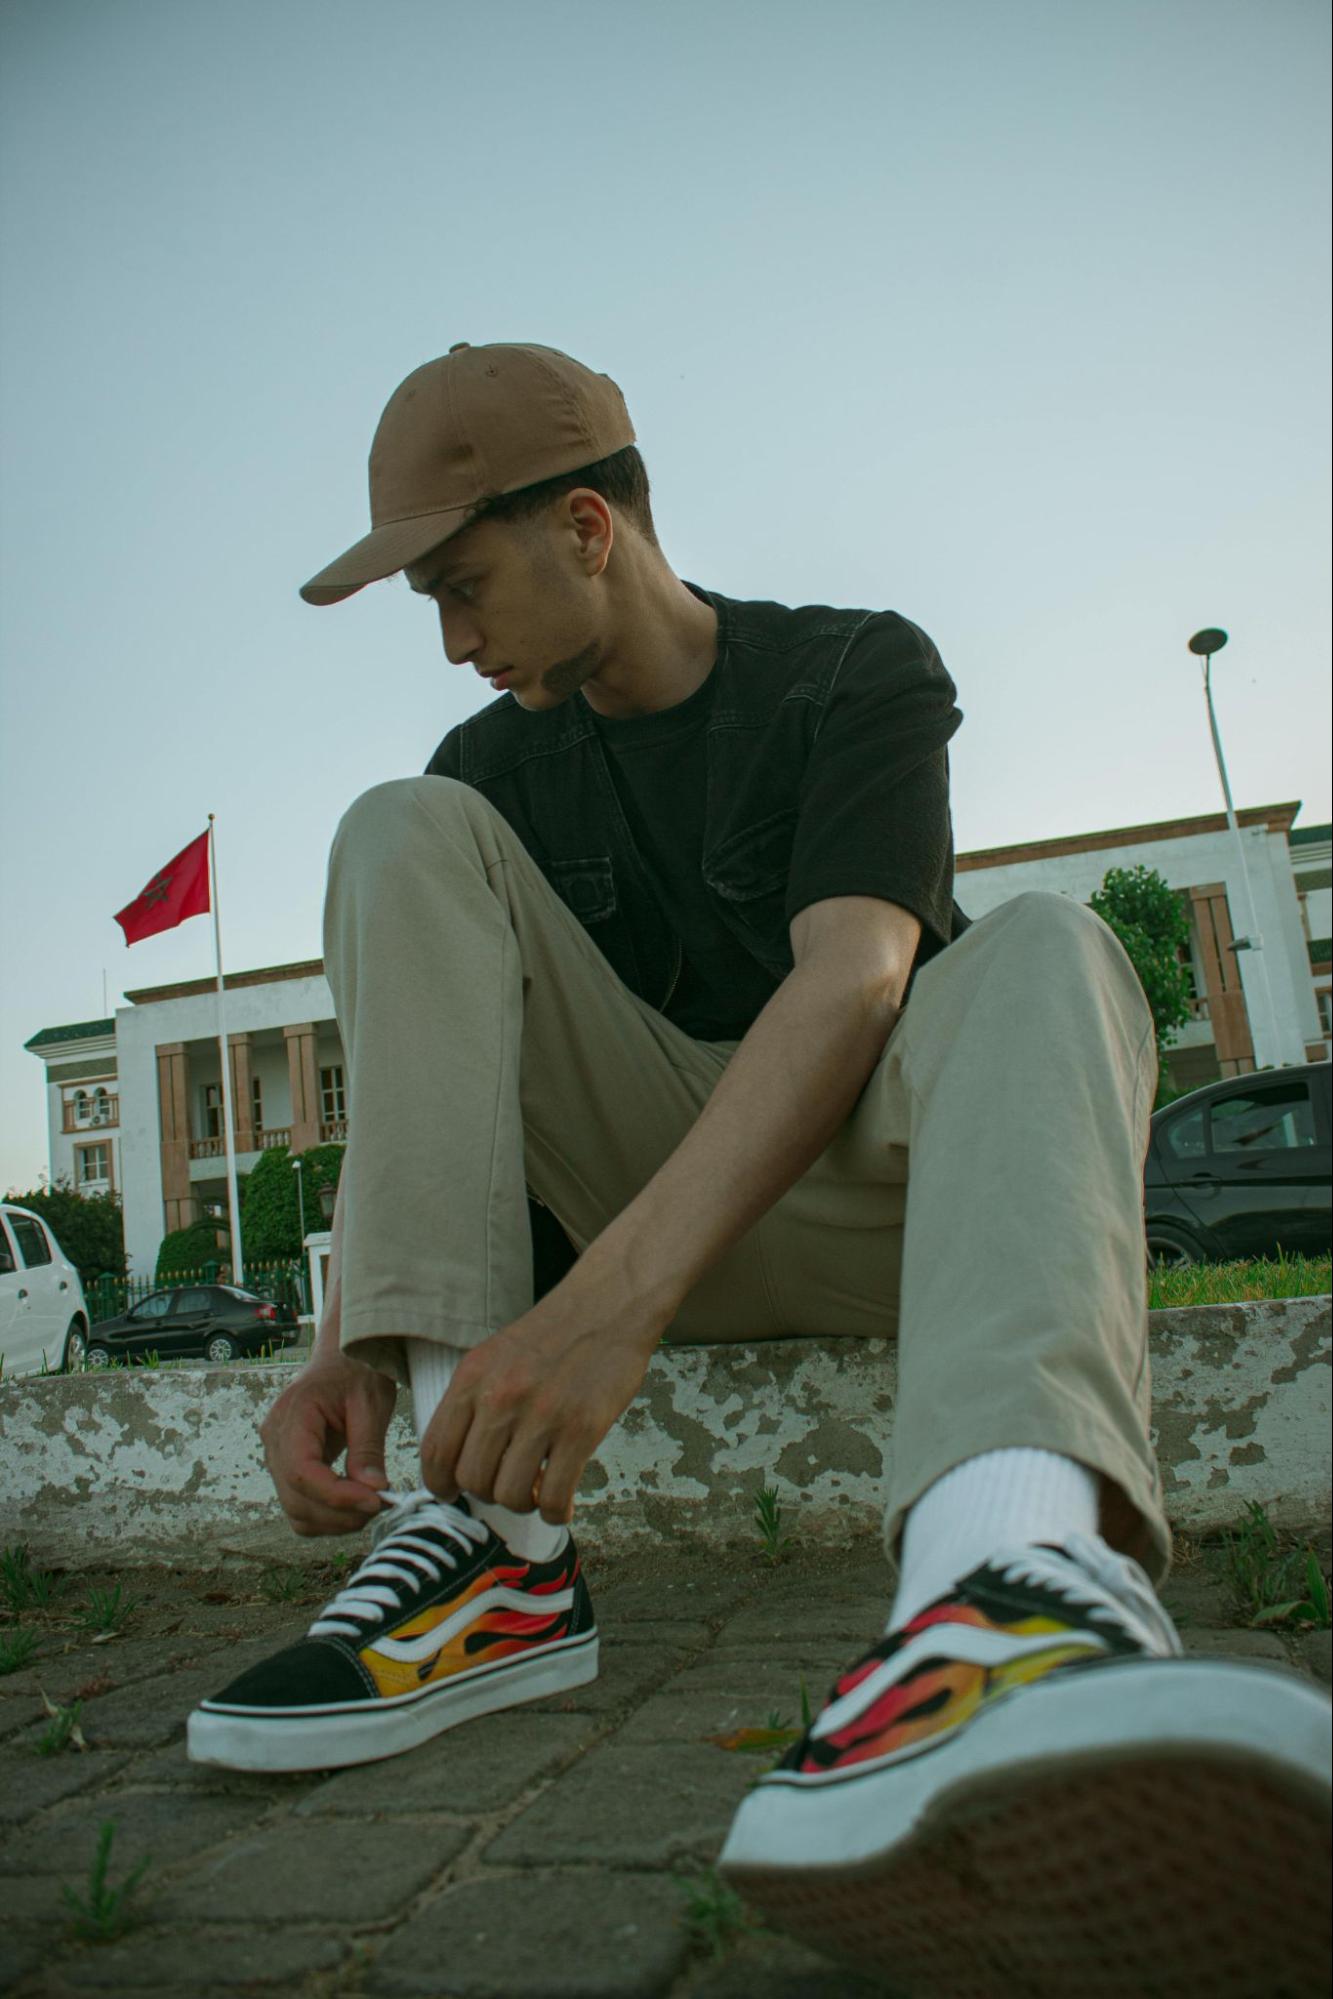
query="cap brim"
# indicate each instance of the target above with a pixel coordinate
(383, 552)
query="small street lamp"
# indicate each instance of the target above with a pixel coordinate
(328, 1200)
(1204, 644)
(300, 1195)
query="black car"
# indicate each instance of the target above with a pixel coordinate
(199, 1321)
(1241, 1168)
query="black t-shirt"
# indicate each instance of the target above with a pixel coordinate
(874, 815)
(658, 767)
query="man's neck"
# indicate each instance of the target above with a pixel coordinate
(665, 643)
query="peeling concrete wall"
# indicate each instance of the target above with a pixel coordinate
(149, 1466)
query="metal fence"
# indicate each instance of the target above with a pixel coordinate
(285, 1281)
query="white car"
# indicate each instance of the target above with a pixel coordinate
(43, 1313)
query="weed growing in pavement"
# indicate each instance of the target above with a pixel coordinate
(16, 1649)
(63, 1730)
(768, 1519)
(1309, 1611)
(106, 1613)
(779, 1732)
(284, 1585)
(713, 1913)
(1274, 1584)
(106, 1913)
(21, 1586)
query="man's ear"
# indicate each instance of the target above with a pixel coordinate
(594, 527)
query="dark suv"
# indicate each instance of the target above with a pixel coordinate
(1241, 1168)
(198, 1321)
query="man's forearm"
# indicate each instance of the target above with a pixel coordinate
(786, 1091)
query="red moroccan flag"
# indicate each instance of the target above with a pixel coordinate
(178, 890)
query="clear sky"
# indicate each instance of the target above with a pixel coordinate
(1010, 315)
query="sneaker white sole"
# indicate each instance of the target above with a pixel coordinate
(1148, 1827)
(338, 1733)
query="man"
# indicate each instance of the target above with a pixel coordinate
(641, 942)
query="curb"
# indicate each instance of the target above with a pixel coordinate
(145, 1467)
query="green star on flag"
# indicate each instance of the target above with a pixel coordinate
(176, 892)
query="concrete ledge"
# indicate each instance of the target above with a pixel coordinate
(145, 1466)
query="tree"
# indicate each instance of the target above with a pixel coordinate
(88, 1227)
(270, 1209)
(196, 1247)
(1149, 918)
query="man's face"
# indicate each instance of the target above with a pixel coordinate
(513, 605)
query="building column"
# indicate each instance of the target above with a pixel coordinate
(303, 1070)
(241, 1094)
(1221, 974)
(173, 1103)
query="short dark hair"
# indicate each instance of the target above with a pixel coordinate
(622, 479)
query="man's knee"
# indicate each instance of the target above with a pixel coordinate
(384, 805)
(1069, 923)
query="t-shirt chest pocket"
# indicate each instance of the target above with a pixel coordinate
(587, 887)
(755, 863)
(749, 872)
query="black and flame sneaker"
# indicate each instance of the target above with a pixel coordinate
(1028, 1789)
(440, 1622)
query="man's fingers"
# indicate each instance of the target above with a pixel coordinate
(321, 1486)
(518, 1473)
(560, 1481)
(307, 1519)
(442, 1445)
(478, 1464)
(366, 1428)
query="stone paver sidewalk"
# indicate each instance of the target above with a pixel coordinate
(545, 1853)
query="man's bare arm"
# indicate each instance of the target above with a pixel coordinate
(786, 1091)
(526, 1408)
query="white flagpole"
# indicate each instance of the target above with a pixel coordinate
(228, 1116)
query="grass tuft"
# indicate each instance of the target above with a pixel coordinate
(1275, 1583)
(106, 1913)
(63, 1730)
(21, 1586)
(285, 1585)
(106, 1612)
(768, 1519)
(714, 1914)
(16, 1650)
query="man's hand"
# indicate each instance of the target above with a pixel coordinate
(543, 1391)
(335, 1404)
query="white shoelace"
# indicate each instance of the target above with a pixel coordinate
(399, 1561)
(1134, 1603)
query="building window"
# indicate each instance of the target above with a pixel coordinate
(212, 1110)
(256, 1104)
(331, 1091)
(92, 1165)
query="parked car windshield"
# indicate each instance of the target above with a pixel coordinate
(250, 1297)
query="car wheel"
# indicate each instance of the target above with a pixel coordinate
(1170, 1249)
(97, 1357)
(220, 1348)
(76, 1348)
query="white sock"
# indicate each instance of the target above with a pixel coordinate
(430, 1369)
(1002, 1499)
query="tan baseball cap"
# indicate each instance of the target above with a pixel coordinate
(478, 422)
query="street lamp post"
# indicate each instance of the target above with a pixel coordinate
(300, 1196)
(1205, 644)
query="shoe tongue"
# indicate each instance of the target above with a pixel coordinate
(404, 1515)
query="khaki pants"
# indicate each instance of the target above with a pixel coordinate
(982, 1201)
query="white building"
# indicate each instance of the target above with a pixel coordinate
(135, 1102)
